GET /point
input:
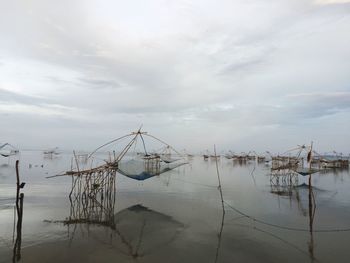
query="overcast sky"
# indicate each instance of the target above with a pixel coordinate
(243, 74)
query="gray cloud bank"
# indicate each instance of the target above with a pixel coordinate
(242, 74)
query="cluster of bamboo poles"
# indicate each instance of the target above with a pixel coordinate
(92, 197)
(282, 181)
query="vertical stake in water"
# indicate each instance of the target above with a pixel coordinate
(312, 207)
(223, 207)
(309, 159)
(19, 208)
(220, 188)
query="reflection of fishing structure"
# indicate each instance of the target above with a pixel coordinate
(312, 210)
(142, 230)
(286, 184)
(139, 230)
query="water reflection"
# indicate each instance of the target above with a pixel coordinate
(334, 171)
(312, 210)
(181, 218)
(6, 171)
(285, 182)
(143, 230)
(140, 230)
(220, 237)
(137, 231)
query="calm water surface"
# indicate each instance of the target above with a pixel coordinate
(177, 216)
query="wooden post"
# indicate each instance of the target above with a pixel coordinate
(17, 191)
(19, 228)
(220, 189)
(19, 209)
(223, 208)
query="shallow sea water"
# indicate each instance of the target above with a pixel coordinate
(177, 216)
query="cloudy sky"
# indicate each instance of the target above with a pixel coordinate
(243, 74)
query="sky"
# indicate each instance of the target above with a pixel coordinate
(242, 74)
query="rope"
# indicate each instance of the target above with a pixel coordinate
(286, 227)
(276, 237)
(112, 141)
(144, 145)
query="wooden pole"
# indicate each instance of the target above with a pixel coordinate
(220, 189)
(17, 191)
(19, 227)
(19, 209)
(310, 165)
(223, 208)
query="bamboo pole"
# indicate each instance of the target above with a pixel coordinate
(220, 188)
(223, 208)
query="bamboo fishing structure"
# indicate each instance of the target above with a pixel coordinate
(151, 161)
(244, 158)
(282, 182)
(284, 162)
(307, 164)
(92, 198)
(93, 190)
(7, 150)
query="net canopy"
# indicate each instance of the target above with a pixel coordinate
(137, 155)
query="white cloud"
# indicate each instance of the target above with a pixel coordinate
(41, 110)
(327, 2)
(236, 69)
